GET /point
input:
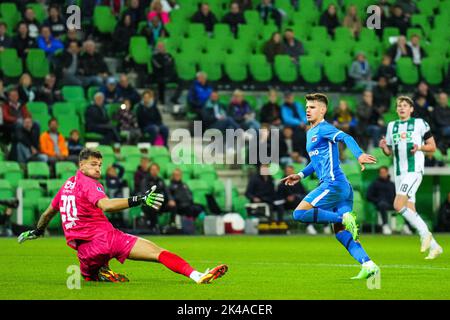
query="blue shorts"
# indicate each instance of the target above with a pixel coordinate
(334, 195)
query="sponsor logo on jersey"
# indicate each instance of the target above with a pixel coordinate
(314, 139)
(100, 189)
(69, 185)
(402, 136)
(313, 153)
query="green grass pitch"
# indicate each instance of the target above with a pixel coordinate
(260, 267)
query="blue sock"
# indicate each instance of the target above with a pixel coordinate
(354, 248)
(317, 215)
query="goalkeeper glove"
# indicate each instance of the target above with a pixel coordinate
(30, 235)
(150, 198)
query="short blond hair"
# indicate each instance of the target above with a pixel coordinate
(407, 99)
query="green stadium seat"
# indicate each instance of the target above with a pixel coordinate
(267, 31)
(252, 18)
(424, 198)
(260, 69)
(219, 193)
(343, 34)
(37, 63)
(387, 33)
(222, 31)
(185, 168)
(38, 169)
(432, 70)
(285, 69)
(205, 172)
(6, 190)
(53, 185)
(64, 108)
(104, 20)
(107, 154)
(310, 69)
(439, 35)
(131, 154)
(10, 15)
(11, 64)
(67, 123)
(42, 205)
(31, 188)
(37, 107)
(236, 68)
(12, 172)
(301, 30)
(176, 29)
(335, 68)
(65, 169)
(427, 7)
(320, 33)
(186, 66)
(73, 93)
(407, 71)
(196, 30)
(420, 21)
(212, 65)
(139, 50)
(441, 22)
(199, 190)
(39, 11)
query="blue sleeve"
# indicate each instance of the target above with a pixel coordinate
(334, 135)
(308, 170)
(288, 118)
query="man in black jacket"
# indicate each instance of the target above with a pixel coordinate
(5, 40)
(151, 215)
(382, 194)
(97, 120)
(234, 18)
(22, 42)
(25, 143)
(92, 66)
(150, 119)
(205, 16)
(69, 63)
(441, 122)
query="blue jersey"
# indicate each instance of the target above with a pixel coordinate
(322, 146)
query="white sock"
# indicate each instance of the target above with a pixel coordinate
(368, 264)
(433, 244)
(416, 221)
(195, 275)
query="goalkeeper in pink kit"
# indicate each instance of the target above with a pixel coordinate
(81, 202)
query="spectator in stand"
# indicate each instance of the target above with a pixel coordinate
(140, 173)
(205, 16)
(369, 120)
(150, 119)
(116, 5)
(14, 112)
(97, 120)
(92, 67)
(398, 20)
(244, 4)
(214, 115)
(292, 46)
(135, 12)
(48, 92)
(26, 91)
(343, 118)
(423, 90)
(127, 123)
(441, 122)
(169, 5)
(115, 183)
(32, 23)
(126, 90)
(443, 224)
(122, 35)
(73, 35)
(329, 19)
(151, 215)
(49, 44)
(271, 112)
(5, 40)
(382, 95)
(74, 146)
(400, 49)
(352, 21)
(268, 11)
(273, 47)
(290, 148)
(361, 72)
(153, 31)
(3, 96)
(25, 144)
(261, 188)
(290, 196)
(110, 91)
(55, 22)
(53, 144)
(422, 109)
(241, 112)
(183, 202)
(69, 64)
(156, 9)
(164, 72)
(417, 51)
(409, 7)
(293, 113)
(199, 93)
(387, 71)
(22, 42)
(234, 18)
(381, 193)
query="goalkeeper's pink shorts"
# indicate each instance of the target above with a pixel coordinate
(97, 252)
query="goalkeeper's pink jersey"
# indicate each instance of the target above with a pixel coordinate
(76, 201)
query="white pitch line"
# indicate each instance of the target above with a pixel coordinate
(331, 265)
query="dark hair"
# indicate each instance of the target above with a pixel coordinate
(86, 153)
(2, 23)
(317, 97)
(73, 131)
(384, 167)
(51, 120)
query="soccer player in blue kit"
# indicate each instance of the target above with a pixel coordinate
(332, 200)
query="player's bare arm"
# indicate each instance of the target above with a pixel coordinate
(384, 147)
(428, 147)
(42, 224)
